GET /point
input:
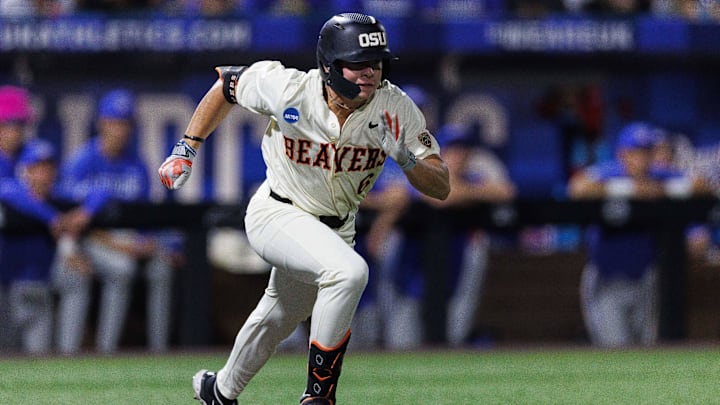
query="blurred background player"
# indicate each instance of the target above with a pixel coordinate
(619, 284)
(27, 257)
(476, 174)
(108, 169)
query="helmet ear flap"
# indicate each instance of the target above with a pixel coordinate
(342, 86)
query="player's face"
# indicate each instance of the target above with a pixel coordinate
(367, 75)
(637, 161)
(663, 153)
(115, 135)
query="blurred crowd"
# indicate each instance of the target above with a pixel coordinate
(428, 9)
(48, 280)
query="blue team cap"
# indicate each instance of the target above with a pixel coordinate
(36, 151)
(117, 104)
(637, 135)
(456, 134)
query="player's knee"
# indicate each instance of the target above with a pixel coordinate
(355, 275)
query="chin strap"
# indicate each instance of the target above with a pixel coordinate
(341, 85)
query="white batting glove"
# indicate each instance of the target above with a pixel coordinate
(176, 169)
(393, 142)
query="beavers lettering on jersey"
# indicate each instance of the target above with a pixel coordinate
(347, 158)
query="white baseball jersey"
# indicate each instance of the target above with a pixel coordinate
(322, 168)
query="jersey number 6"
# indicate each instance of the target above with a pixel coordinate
(364, 183)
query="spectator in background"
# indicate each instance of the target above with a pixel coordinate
(28, 257)
(36, 8)
(107, 169)
(619, 284)
(477, 175)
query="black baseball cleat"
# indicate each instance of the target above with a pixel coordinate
(206, 391)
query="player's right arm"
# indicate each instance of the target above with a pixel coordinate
(257, 88)
(212, 109)
(208, 114)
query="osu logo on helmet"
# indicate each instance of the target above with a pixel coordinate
(367, 39)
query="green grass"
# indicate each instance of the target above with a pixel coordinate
(573, 377)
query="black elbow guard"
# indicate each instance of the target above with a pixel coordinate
(229, 76)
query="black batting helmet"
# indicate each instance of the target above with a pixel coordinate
(350, 37)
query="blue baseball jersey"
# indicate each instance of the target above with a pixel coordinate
(25, 256)
(91, 178)
(16, 195)
(622, 253)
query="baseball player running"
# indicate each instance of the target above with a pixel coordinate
(330, 131)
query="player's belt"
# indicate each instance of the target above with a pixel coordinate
(333, 222)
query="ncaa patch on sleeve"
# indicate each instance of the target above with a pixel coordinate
(291, 115)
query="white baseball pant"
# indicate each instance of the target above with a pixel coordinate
(316, 272)
(32, 313)
(620, 312)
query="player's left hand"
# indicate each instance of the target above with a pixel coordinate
(393, 141)
(176, 169)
